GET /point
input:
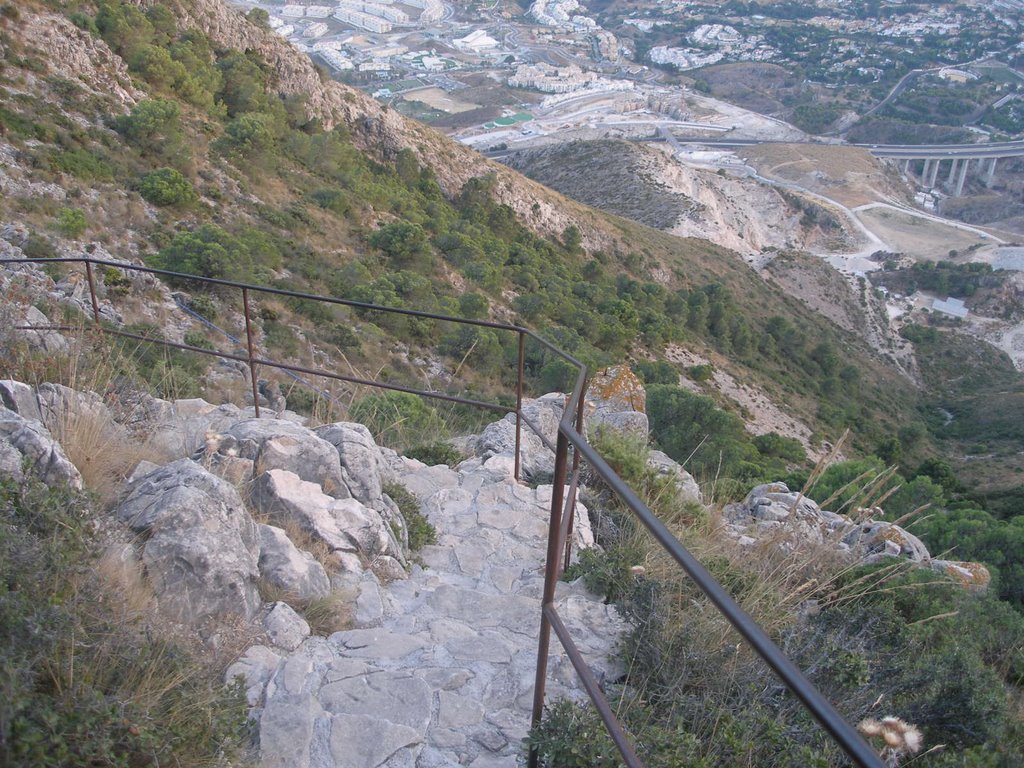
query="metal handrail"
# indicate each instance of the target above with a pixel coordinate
(570, 433)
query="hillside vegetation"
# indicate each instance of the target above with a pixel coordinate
(184, 136)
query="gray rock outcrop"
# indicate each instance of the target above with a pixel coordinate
(356, 535)
(283, 445)
(200, 545)
(26, 442)
(286, 567)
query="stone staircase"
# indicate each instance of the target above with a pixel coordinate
(439, 670)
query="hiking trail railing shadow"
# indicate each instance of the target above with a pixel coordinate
(570, 449)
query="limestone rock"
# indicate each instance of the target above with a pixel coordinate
(972, 576)
(23, 440)
(279, 444)
(664, 465)
(286, 730)
(20, 398)
(877, 537)
(255, 669)
(344, 525)
(361, 460)
(499, 437)
(288, 568)
(42, 341)
(201, 549)
(616, 398)
(284, 627)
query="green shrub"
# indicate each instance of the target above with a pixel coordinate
(699, 373)
(71, 222)
(198, 339)
(81, 685)
(396, 418)
(203, 305)
(433, 454)
(167, 187)
(115, 281)
(421, 532)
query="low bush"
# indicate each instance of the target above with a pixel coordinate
(85, 681)
(433, 454)
(421, 531)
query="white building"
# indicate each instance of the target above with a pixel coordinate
(549, 79)
(379, 10)
(316, 29)
(293, 11)
(476, 42)
(285, 30)
(362, 20)
(375, 66)
(683, 58)
(336, 59)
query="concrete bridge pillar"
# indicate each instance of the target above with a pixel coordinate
(963, 177)
(926, 170)
(952, 171)
(990, 174)
(935, 173)
(906, 167)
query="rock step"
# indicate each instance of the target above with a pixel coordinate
(440, 669)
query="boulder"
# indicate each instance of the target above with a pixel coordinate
(20, 398)
(360, 458)
(288, 568)
(353, 532)
(254, 670)
(201, 550)
(879, 538)
(665, 465)
(28, 441)
(499, 437)
(617, 399)
(284, 627)
(973, 577)
(42, 341)
(62, 405)
(278, 444)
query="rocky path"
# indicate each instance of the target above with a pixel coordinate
(439, 671)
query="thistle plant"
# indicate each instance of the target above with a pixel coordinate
(900, 738)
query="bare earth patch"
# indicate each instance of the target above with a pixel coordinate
(439, 99)
(849, 175)
(915, 236)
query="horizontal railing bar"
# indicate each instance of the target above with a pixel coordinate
(300, 295)
(593, 688)
(823, 711)
(267, 289)
(285, 367)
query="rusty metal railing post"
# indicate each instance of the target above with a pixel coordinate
(550, 582)
(92, 294)
(580, 408)
(248, 342)
(519, 400)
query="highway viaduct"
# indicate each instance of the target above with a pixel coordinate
(932, 156)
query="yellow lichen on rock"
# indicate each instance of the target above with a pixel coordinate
(619, 386)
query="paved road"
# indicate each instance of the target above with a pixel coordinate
(896, 151)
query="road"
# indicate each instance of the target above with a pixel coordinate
(891, 151)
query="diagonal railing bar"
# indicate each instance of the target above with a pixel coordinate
(570, 435)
